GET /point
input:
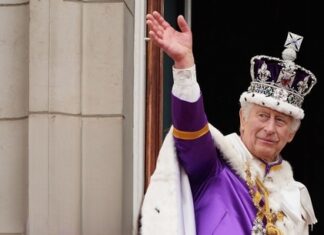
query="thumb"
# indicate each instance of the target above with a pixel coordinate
(183, 25)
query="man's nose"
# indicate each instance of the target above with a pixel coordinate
(270, 126)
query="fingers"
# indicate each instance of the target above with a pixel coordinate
(160, 20)
(154, 28)
(156, 39)
(183, 25)
(157, 25)
(157, 21)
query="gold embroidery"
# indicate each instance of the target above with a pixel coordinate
(258, 193)
(272, 230)
(190, 135)
(273, 168)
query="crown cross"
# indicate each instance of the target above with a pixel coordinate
(293, 41)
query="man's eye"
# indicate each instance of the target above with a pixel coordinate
(280, 121)
(262, 115)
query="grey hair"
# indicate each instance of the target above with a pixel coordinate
(246, 109)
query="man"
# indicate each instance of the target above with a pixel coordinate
(239, 184)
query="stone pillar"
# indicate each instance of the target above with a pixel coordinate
(55, 122)
(80, 92)
(14, 19)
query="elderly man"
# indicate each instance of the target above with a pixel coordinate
(239, 184)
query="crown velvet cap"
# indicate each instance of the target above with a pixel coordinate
(280, 84)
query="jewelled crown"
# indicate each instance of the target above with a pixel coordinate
(280, 84)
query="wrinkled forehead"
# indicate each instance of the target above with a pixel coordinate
(259, 108)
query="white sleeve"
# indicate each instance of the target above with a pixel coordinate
(185, 86)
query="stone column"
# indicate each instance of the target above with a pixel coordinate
(55, 121)
(14, 19)
(80, 125)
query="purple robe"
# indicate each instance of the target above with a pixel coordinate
(222, 202)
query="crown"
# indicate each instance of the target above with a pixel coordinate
(280, 84)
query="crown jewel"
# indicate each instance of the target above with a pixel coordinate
(293, 41)
(280, 83)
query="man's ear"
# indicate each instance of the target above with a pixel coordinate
(291, 136)
(242, 121)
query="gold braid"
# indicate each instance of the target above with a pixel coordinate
(258, 192)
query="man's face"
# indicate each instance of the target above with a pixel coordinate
(265, 132)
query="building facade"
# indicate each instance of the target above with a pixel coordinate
(71, 116)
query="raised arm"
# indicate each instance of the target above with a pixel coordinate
(194, 144)
(177, 45)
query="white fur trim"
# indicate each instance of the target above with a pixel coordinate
(168, 206)
(272, 103)
(307, 204)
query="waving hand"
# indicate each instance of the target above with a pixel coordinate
(177, 45)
